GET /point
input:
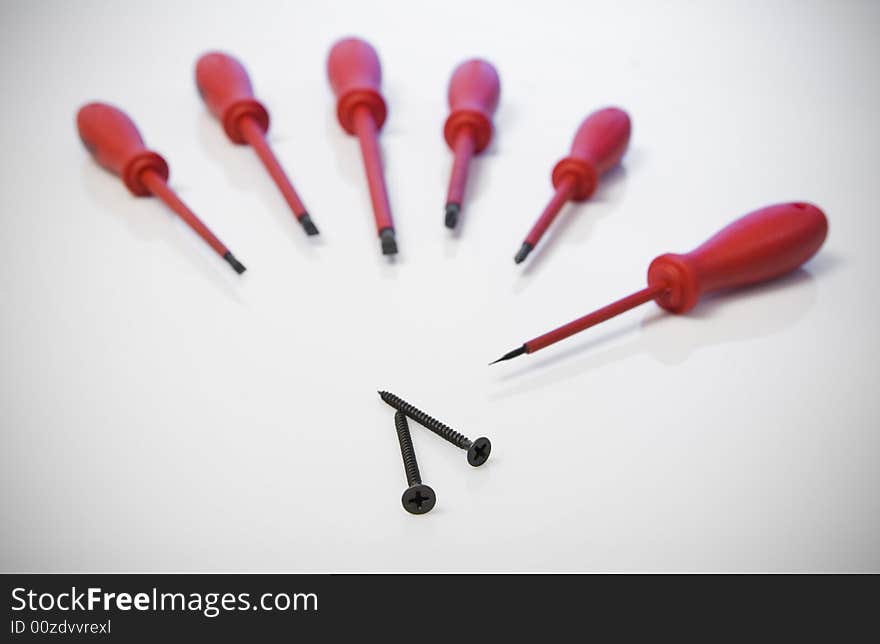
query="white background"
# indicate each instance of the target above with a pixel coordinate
(159, 412)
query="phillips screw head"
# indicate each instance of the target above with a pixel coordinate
(478, 452)
(418, 499)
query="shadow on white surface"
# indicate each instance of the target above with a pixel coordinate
(476, 185)
(243, 170)
(721, 319)
(452, 241)
(148, 220)
(352, 176)
(577, 220)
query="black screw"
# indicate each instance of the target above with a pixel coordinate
(477, 451)
(417, 498)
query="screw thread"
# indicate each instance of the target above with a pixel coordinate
(406, 450)
(442, 430)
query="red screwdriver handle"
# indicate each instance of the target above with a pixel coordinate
(356, 78)
(226, 88)
(759, 246)
(474, 90)
(598, 146)
(114, 141)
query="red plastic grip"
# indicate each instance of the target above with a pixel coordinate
(115, 143)
(226, 88)
(598, 146)
(759, 246)
(355, 75)
(474, 90)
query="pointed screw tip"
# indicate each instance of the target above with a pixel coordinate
(511, 354)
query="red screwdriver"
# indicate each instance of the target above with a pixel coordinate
(225, 87)
(356, 78)
(598, 146)
(473, 98)
(113, 140)
(759, 246)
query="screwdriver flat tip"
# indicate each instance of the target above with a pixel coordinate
(511, 354)
(523, 252)
(452, 210)
(308, 225)
(389, 244)
(236, 265)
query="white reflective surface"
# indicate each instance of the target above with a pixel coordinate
(159, 412)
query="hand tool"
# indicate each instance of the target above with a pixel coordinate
(356, 76)
(225, 87)
(598, 145)
(115, 143)
(417, 498)
(477, 451)
(473, 98)
(759, 246)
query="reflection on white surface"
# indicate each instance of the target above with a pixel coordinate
(150, 222)
(719, 319)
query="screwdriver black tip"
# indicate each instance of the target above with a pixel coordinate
(452, 210)
(524, 251)
(511, 354)
(389, 244)
(236, 265)
(308, 225)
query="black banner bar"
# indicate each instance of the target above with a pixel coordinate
(150, 607)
